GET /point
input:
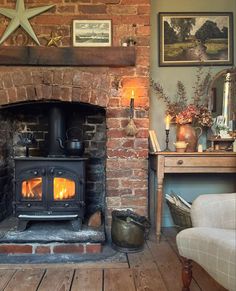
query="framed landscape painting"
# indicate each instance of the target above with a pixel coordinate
(198, 38)
(87, 33)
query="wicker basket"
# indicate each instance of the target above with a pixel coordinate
(181, 217)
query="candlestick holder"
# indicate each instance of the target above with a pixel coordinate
(167, 141)
(131, 108)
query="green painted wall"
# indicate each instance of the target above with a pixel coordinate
(189, 186)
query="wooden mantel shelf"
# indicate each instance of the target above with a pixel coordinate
(67, 56)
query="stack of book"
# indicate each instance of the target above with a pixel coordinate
(178, 201)
(153, 142)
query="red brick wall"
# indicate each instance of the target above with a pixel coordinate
(110, 88)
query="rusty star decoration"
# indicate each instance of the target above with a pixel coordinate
(54, 39)
(20, 17)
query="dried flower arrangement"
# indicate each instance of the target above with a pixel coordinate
(182, 112)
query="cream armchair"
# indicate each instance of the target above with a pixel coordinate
(211, 242)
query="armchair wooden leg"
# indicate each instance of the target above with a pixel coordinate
(186, 274)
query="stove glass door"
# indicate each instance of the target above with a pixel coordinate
(31, 189)
(63, 189)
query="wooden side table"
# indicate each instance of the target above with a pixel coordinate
(172, 162)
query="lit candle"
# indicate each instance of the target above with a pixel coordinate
(167, 122)
(132, 94)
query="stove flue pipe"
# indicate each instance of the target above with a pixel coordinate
(57, 129)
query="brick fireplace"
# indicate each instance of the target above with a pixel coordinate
(126, 157)
(103, 93)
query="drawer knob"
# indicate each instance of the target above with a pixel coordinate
(180, 162)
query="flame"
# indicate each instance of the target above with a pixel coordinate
(63, 189)
(32, 189)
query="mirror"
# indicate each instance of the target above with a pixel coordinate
(222, 96)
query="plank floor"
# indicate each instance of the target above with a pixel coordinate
(156, 268)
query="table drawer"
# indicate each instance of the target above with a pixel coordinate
(200, 162)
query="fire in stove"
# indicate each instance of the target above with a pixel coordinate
(64, 189)
(32, 189)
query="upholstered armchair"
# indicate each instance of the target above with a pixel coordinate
(211, 242)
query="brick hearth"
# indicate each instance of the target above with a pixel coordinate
(51, 248)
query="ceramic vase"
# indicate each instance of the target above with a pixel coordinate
(187, 133)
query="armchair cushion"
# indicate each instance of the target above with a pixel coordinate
(212, 248)
(212, 240)
(214, 210)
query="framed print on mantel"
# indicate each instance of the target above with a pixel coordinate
(195, 38)
(95, 33)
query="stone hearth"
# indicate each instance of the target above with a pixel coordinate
(49, 238)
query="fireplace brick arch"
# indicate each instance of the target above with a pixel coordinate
(109, 88)
(65, 84)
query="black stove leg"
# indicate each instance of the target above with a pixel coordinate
(76, 224)
(22, 224)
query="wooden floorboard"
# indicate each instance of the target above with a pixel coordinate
(156, 268)
(168, 264)
(148, 279)
(84, 265)
(142, 259)
(88, 280)
(204, 280)
(119, 280)
(25, 280)
(5, 277)
(56, 280)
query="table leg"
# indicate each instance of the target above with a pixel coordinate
(159, 210)
(159, 199)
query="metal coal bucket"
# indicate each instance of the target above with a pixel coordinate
(128, 231)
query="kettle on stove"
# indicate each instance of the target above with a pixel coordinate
(72, 146)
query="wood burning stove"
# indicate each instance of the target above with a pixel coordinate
(52, 187)
(49, 188)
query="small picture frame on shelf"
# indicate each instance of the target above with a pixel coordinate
(92, 33)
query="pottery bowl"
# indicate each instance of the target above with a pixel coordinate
(180, 146)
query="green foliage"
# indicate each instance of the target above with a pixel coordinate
(207, 31)
(214, 47)
(183, 26)
(176, 49)
(224, 32)
(169, 34)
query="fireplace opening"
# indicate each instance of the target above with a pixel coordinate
(50, 183)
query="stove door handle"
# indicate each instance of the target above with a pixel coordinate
(51, 171)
